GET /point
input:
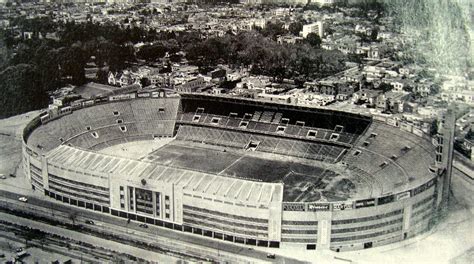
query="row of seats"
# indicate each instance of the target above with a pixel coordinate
(320, 118)
(291, 147)
(97, 137)
(251, 125)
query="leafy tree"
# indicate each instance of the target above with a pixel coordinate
(314, 40)
(21, 90)
(295, 28)
(273, 29)
(145, 82)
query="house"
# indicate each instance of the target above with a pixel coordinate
(392, 101)
(277, 98)
(345, 90)
(190, 84)
(366, 96)
(376, 52)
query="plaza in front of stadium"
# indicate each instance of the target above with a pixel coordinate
(247, 172)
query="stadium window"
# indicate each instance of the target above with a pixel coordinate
(243, 124)
(252, 145)
(123, 129)
(311, 246)
(119, 121)
(373, 135)
(200, 110)
(88, 128)
(338, 128)
(285, 121)
(300, 123)
(334, 137)
(233, 114)
(167, 215)
(383, 165)
(365, 144)
(116, 113)
(161, 110)
(357, 153)
(440, 140)
(247, 116)
(95, 135)
(61, 139)
(311, 134)
(281, 129)
(215, 120)
(157, 204)
(196, 118)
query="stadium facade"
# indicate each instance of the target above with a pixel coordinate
(242, 171)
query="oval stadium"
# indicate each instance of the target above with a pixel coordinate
(256, 173)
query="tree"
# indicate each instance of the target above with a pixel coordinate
(21, 90)
(272, 30)
(374, 34)
(314, 40)
(145, 82)
(295, 28)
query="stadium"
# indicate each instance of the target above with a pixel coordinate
(239, 170)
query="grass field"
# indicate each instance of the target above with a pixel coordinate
(303, 182)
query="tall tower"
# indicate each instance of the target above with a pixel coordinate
(444, 155)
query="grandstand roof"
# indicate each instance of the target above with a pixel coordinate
(230, 189)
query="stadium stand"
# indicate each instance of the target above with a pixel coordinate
(138, 117)
(240, 170)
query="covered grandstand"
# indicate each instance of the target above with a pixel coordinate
(242, 171)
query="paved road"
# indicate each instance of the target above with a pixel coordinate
(165, 238)
(110, 245)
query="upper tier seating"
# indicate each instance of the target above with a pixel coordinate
(139, 117)
(271, 144)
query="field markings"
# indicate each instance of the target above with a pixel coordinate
(232, 164)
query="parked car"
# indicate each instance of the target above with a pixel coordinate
(90, 222)
(23, 199)
(271, 256)
(143, 225)
(2, 176)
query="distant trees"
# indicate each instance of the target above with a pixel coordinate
(264, 56)
(273, 29)
(314, 40)
(33, 67)
(295, 28)
(21, 89)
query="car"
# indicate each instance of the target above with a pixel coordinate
(90, 222)
(3, 177)
(18, 250)
(23, 199)
(271, 256)
(12, 175)
(143, 225)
